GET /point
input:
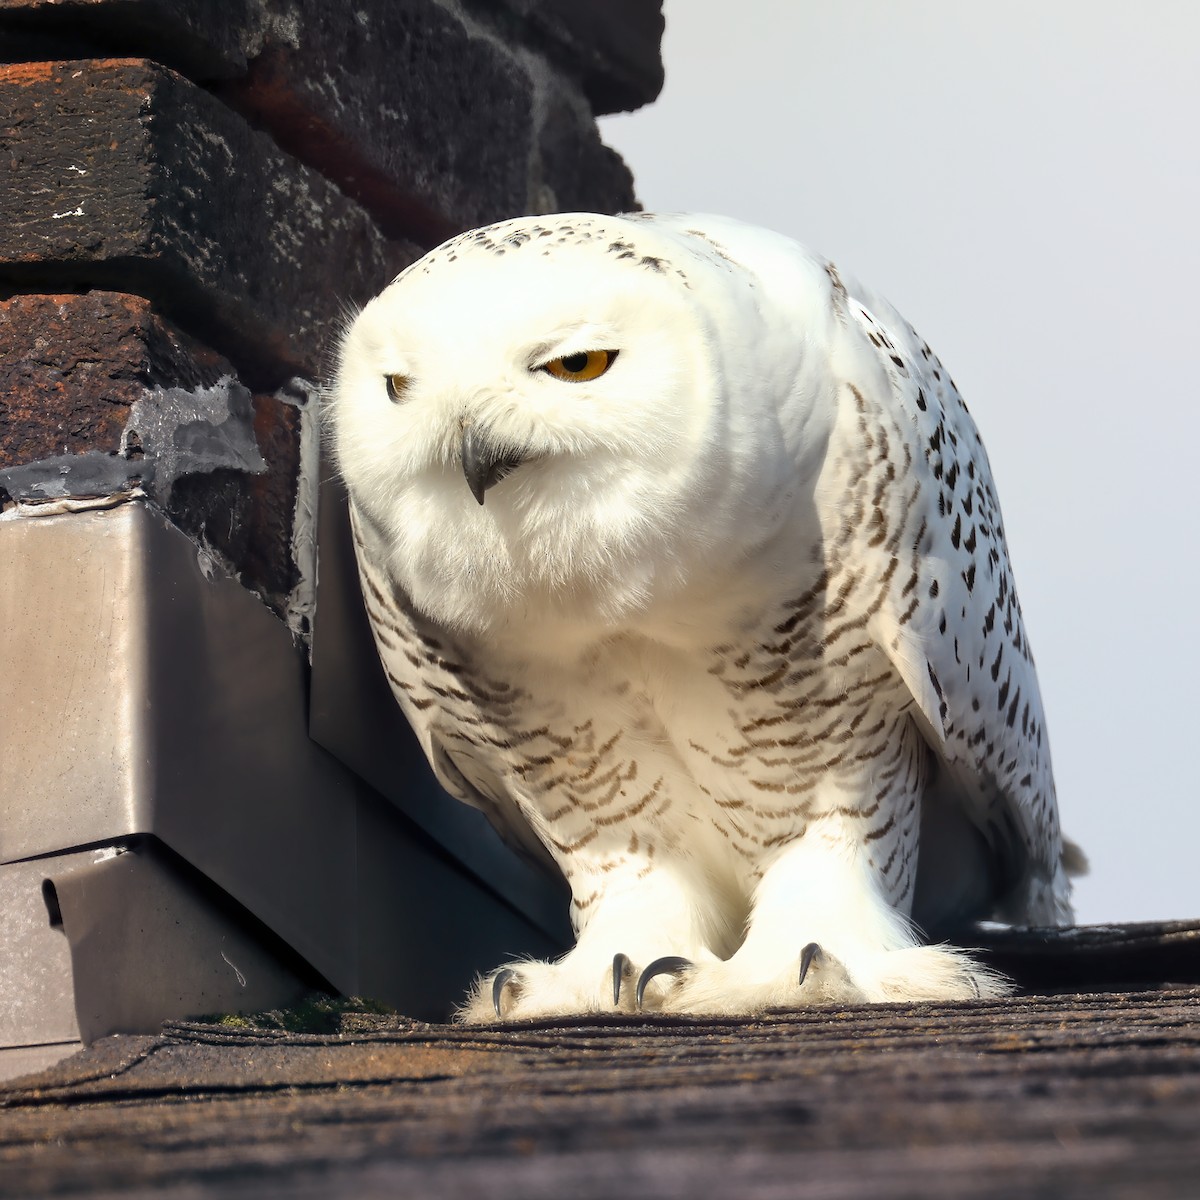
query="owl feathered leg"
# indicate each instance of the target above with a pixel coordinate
(642, 910)
(822, 891)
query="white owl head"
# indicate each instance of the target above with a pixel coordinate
(538, 414)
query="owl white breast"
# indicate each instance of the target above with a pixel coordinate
(684, 559)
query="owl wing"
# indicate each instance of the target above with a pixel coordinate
(434, 691)
(951, 625)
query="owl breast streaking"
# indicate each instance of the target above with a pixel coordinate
(720, 619)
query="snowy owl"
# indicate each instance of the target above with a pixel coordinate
(721, 616)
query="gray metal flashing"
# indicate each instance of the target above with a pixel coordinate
(35, 960)
(148, 943)
(115, 939)
(156, 773)
(152, 694)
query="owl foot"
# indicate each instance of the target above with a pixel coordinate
(673, 965)
(819, 978)
(708, 986)
(573, 986)
(621, 969)
(669, 964)
(500, 981)
(531, 989)
(810, 952)
(722, 988)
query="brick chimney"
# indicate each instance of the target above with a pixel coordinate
(196, 193)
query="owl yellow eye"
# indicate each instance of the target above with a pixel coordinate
(580, 367)
(397, 385)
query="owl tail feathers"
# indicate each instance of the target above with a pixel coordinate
(1074, 861)
(1046, 902)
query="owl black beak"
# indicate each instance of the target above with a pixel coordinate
(485, 462)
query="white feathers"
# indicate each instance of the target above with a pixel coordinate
(747, 580)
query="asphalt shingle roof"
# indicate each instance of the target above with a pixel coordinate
(1064, 1095)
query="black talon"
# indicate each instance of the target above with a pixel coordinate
(502, 980)
(620, 966)
(806, 959)
(670, 964)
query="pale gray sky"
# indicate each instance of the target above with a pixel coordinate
(1023, 182)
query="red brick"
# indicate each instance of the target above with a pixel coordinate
(131, 178)
(71, 367)
(205, 39)
(433, 123)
